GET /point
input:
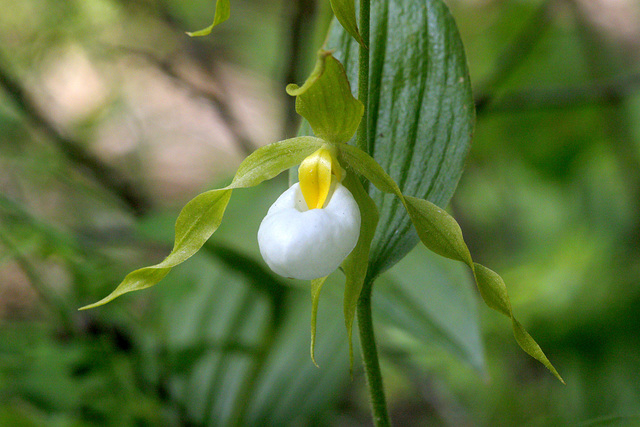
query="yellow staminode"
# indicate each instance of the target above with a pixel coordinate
(315, 177)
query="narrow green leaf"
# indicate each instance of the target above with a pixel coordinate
(223, 11)
(355, 265)
(345, 11)
(420, 111)
(325, 100)
(200, 217)
(316, 287)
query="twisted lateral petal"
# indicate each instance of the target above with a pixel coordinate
(308, 244)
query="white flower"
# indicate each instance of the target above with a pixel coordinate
(304, 243)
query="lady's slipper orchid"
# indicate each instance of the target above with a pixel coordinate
(327, 220)
(314, 225)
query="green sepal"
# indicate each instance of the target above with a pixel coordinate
(326, 101)
(440, 232)
(200, 217)
(355, 265)
(316, 287)
(345, 11)
(223, 11)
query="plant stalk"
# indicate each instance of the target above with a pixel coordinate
(365, 319)
(370, 358)
(362, 137)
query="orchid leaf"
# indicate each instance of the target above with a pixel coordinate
(316, 287)
(345, 12)
(429, 298)
(441, 233)
(200, 218)
(420, 111)
(222, 13)
(326, 102)
(355, 265)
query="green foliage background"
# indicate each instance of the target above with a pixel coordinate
(550, 198)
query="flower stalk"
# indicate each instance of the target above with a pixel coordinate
(365, 319)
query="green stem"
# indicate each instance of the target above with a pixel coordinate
(365, 320)
(51, 299)
(362, 139)
(370, 358)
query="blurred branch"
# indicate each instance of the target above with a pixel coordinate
(610, 92)
(514, 55)
(215, 100)
(606, 59)
(201, 54)
(51, 299)
(106, 175)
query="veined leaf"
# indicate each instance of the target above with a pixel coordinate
(355, 265)
(223, 11)
(429, 298)
(326, 102)
(200, 218)
(420, 111)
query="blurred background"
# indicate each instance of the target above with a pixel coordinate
(111, 118)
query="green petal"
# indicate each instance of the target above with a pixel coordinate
(200, 217)
(316, 287)
(223, 11)
(366, 166)
(355, 265)
(270, 160)
(325, 100)
(494, 293)
(440, 232)
(345, 11)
